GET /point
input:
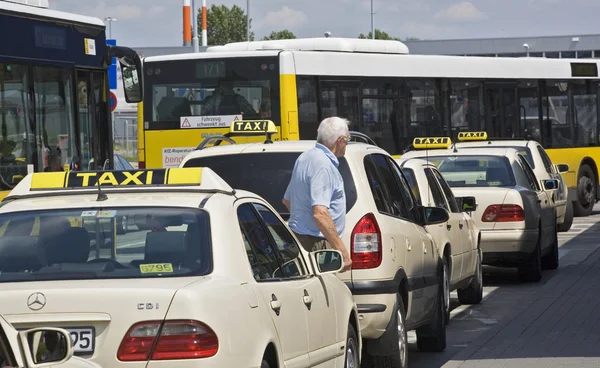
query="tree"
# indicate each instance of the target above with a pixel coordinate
(224, 25)
(412, 39)
(379, 35)
(280, 35)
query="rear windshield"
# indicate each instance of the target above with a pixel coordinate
(525, 151)
(266, 174)
(104, 243)
(475, 171)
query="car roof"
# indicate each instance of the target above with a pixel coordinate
(414, 163)
(500, 142)
(483, 151)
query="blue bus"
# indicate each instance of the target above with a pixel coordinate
(54, 91)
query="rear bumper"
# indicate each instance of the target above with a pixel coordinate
(375, 302)
(507, 247)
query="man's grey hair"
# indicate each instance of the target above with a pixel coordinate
(331, 129)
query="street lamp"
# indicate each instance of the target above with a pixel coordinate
(110, 20)
(248, 20)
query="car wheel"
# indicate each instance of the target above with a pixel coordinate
(399, 356)
(352, 359)
(568, 221)
(586, 192)
(432, 338)
(531, 271)
(446, 280)
(550, 261)
(474, 293)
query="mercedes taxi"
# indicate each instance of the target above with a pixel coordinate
(457, 239)
(396, 276)
(513, 209)
(217, 279)
(541, 164)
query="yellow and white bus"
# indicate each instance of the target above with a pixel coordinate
(386, 93)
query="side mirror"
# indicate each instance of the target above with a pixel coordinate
(435, 215)
(327, 261)
(131, 72)
(550, 184)
(562, 168)
(467, 204)
(45, 347)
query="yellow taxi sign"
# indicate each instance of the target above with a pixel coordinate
(432, 142)
(252, 127)
(87, 179)
(472, 136)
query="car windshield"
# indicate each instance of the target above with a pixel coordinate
(475, 171)
(266, 174)
(96, 243)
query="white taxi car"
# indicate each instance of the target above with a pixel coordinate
(38, 347)
(515, 214)
(396, 275)
(458, 239)
(218, 280)
(539, 161)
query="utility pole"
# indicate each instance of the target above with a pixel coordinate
(372, 22)
(195, 27)
(110, 20)
(248, 20)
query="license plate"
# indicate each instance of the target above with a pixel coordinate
(83, 338)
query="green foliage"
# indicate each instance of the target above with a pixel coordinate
(379, 35)
(224, 24)
(280, 35)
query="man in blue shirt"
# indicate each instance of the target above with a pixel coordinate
(315, 195)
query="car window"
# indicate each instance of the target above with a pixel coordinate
(407, 196)
(259, 249)
(124, 163)
(462, 171)
(531, 179)
(438, 198)
(447, 191)
(70, 244)
(286, 247)
(380, 195)
(546, 160)
(266, 174)
(412, 181)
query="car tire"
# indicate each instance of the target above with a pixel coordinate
(551, 260)
(474, 293)
(531, 271)
(432, 338)
(399, 356)
(446, 287)
(586, 187)
(352, 358)
(568, 221)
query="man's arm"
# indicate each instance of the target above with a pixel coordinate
(286, 203)
(327, 228)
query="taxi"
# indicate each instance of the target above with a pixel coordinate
(34, 352)
(513, 209)
(458, 239)
(396, 276)
(217, 279)
(539, 161)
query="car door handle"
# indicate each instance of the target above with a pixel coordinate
(460, 225)
(275, 304)
(307, 299)
(448, 226)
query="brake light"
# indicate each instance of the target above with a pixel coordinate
(365, 243)
(141, 165)
(177, 339)
(503, 213)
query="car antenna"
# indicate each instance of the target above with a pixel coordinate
(101, 196)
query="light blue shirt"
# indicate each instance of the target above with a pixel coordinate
(316, 180)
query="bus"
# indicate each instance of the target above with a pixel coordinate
(54, 91)
(387, 93)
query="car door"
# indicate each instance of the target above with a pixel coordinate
(283, 296)
(449, 230)
(397, 226)
(560, 195)
(547, 216)
(468, 245)
(319, 304)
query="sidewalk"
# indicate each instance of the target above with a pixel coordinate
(559, 326)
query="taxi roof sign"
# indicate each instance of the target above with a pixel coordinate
(472, 136)
(203, 178)
(432, 142)
(252, 127)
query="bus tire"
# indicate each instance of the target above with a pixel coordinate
(568, 221)
(586, 192)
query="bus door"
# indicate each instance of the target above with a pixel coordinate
(501, 109)
(93, 119)
(341, 98)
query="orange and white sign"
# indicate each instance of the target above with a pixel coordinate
(215, 121)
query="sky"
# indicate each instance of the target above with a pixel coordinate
(159, 22)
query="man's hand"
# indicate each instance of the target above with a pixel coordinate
(327, 227)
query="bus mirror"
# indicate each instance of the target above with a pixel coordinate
(131, 72)
(562, 168)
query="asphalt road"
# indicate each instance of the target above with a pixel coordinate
(504, 294)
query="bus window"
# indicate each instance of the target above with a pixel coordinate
(529, 114)
(557, 124)
(308, 114)
(585, 113)
(466, 105)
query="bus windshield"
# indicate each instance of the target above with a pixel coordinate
(211, 93)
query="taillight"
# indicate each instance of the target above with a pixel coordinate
(365, 243)
(177, 339)
(503, 213)
(141, 165)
